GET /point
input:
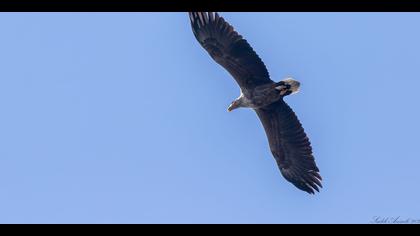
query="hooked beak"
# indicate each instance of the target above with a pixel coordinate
(232, 106)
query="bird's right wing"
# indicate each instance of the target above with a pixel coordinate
(290, 146)
(229, 49)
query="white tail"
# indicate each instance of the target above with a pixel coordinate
(294, 86)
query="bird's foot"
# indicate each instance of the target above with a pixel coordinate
(288, 86)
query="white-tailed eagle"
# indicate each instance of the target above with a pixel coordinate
(288, 142)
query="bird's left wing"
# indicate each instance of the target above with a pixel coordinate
(229, 49)
(290, 146)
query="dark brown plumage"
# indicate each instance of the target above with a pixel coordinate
(290, 146)
(229, 49)
(288, 142)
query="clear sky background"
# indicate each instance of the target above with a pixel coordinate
(121, 118)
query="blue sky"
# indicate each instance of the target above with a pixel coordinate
(121, 118)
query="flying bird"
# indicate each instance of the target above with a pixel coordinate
(287, 139)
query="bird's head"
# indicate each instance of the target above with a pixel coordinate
(235, 104)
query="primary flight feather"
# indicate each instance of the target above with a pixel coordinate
(288, 142)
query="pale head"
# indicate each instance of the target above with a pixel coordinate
(235, 104)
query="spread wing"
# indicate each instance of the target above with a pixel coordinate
(290, 146)
(229, 49)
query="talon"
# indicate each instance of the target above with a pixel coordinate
(283, 92)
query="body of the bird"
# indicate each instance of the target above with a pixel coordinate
(266, 94)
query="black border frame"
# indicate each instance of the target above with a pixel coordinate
(210, 5)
